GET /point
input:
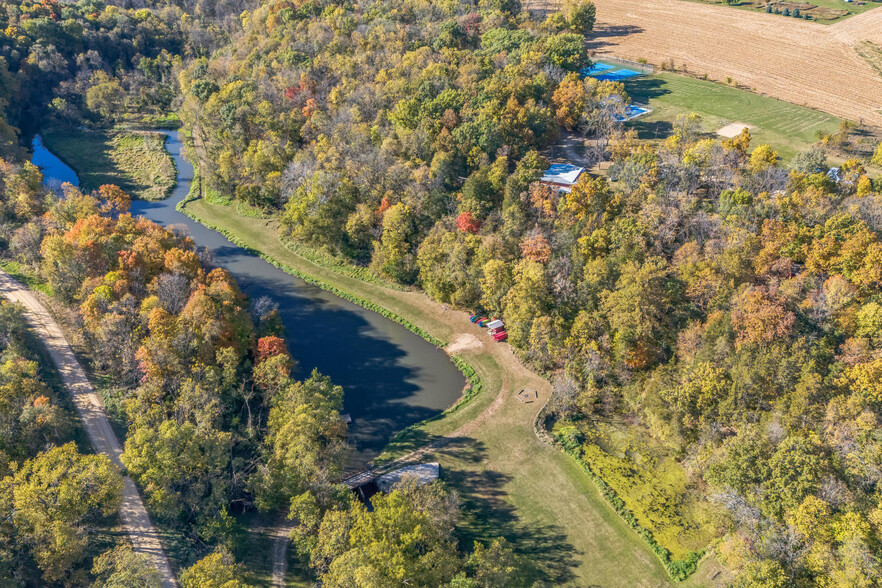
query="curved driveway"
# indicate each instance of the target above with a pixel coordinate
(144, 536)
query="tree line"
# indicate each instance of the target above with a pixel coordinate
(721, 303)
(198, 375)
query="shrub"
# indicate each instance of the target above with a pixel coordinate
(678, 570)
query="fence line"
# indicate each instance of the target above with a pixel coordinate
(645, 68)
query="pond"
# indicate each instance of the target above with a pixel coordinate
(391, 377)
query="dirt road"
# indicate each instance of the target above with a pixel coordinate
(533, 489)
(144, 536)
(794, 60)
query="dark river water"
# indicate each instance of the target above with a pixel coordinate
(391, 377)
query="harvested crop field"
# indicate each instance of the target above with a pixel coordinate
(794, 60)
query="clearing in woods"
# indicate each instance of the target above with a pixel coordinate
(136, 161)
(797, 61)
(787, 127)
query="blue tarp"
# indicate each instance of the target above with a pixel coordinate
(597, 67)
(633, 112)
(618, 75)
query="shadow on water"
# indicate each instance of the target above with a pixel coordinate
(487, 515)
(391, 377)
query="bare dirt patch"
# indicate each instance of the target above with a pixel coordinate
(464, 342)
(733, 130)
(798, 61)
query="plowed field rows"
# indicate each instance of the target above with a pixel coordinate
(798, 61)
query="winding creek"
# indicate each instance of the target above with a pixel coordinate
(391, 377)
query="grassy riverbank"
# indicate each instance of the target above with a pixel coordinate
(135, 161)
(512, 483)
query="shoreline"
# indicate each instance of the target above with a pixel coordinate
(403, 307)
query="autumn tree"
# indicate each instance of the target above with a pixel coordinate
(218, 570)
(105, 96)
(406, 540)
(448, 266)
(638, 312)
(569, 101)
(305, 445)
(121, 568)
(59, 497)
(393, 253)
(759, 318)
(877, 156)
(580, 15)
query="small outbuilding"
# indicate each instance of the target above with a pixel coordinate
(495, 325)
(562, 175)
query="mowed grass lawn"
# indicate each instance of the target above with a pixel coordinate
(135, 161)
(789, 128)
(511, 483)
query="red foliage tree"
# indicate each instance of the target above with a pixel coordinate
(467, 222)
(270, 347)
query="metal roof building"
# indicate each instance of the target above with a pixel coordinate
(562, 175)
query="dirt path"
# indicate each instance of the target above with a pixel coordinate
(794, 60)
(282, 533)
(530, 488)
(144, 536)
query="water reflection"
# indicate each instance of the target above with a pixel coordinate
(391, 377)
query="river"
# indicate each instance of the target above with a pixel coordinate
(391, 377)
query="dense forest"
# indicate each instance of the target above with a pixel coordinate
(199, 376)
(710, 316)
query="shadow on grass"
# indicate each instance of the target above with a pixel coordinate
(644, 88)
(649, 130)
(88, 153)
(487, 515)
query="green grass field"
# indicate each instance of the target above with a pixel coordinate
(135, 161)
(787, 127)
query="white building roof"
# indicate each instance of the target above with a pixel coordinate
(562, 173)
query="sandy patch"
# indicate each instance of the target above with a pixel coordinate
(464, 342)
(733, 130)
